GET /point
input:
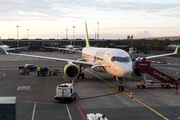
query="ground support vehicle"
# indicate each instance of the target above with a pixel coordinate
(31, 67)
(64, 92)
(144, 67)
(23, 71)
(55, 72)
(43, 71)
(150, 83)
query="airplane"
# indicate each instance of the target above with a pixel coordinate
(8, 48)
(116, 62)
(67, 48)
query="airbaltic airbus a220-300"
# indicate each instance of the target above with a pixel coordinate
(116, 62)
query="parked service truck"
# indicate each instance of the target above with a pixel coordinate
(65, 91)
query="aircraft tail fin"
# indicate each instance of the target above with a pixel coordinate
(0, 41)
(5, 51)
(176, 50)
(71, 41)
(87, 38)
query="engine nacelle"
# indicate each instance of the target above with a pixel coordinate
(136, 73)
(71, 71)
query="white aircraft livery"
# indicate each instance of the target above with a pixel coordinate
(68, 48)
(116, 62)
(7, 48)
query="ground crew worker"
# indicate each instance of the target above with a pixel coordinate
(38, 70)
(119, 84)
(50, 71)
(176, 86)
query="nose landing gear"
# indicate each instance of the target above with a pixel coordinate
(121, 83)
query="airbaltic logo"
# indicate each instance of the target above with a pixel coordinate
(100, 53)
(161, 76)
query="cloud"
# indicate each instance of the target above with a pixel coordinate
(79, 9)
(142, 34)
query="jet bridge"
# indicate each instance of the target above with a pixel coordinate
(145, 67)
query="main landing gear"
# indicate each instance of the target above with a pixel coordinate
(80, 73)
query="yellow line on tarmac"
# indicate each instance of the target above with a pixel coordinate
(16, 58)
(101, 79)
(129, 96)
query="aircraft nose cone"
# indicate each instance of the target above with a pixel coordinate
(126, 70)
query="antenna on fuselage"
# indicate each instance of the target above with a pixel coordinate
(87, 38)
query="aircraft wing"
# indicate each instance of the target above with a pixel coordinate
(155, 56)
(72, 50)
(87, 64)
(64, 49)
(17, 48)
(77, 49)
(51, 47)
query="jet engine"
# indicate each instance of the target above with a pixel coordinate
(71, 71)
(136, 73)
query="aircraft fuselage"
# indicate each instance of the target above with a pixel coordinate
(116, 62)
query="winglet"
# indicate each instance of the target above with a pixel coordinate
(87, 38)
(5, 51)
(176, 50)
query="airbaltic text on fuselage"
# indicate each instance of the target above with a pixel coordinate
(100, 53)
(161, 76)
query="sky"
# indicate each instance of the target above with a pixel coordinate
(116, 19)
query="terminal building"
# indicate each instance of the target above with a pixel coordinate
(142, 44)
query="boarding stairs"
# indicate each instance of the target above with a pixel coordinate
(145, 67)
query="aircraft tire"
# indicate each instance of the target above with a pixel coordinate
(82, 75)
(143, 86)
(168, 86)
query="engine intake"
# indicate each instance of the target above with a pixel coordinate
(136, 73)
(71, 71)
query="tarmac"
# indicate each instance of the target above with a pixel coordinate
(96, 93)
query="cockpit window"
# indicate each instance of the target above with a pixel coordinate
(127, 59)
(113, 59)
(121, 59)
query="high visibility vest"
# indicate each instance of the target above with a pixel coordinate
(117, 78)
(49, 69)
(38, 68)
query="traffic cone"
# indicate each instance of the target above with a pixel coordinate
(177, 72)
(73, 81)
(131, 94)
(4, 75)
